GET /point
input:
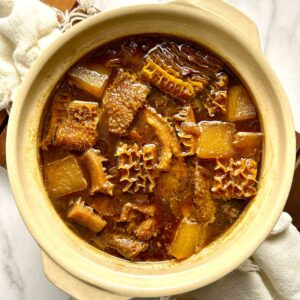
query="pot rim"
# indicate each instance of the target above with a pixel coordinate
(177, 286)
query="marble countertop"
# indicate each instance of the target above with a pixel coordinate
(21, 273)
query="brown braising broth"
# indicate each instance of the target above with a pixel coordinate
(150, 148)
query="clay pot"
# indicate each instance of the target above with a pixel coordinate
(80, 269)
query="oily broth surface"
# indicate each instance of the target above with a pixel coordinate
(129, 54)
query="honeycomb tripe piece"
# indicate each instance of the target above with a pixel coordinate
(59, 110)
(137, 167)
(166, 135)
(63, 177)
(148, 167)
(78, 131)
(216, 139)
(90, 77)
(202, 195)
(99, 179)
(187, 130)
(239, 105)
(122, 99)
(85, 216)
(128, 165)
(235, 179)
(216, 95)
(179, 70)
(166, 81)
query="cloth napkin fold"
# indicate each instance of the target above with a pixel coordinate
(26, 27)
(273, 272)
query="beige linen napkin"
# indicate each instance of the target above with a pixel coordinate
(26, 27)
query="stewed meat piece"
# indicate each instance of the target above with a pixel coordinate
(122, 100)
(126, 245)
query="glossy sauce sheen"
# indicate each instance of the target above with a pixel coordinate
(175, 191)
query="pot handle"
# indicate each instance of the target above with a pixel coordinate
(73, 286)
(241, 21)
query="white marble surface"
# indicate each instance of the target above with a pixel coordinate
(21, 274)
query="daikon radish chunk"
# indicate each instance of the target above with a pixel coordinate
(216, 139)
(91, 77)
(248, 144)
(239, 105)
(187, 239)
(63, 177)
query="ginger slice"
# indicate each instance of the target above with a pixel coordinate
(85, 216)
(122, 99)
(59, 110)
(78, 131)
(166, 135)
(99, 179)
(187, 130)
(235, 179)
(216, 95)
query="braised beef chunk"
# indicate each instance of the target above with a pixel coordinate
(122, 100)
(107, 206)
(85, 216)
(146, 230)
(126, 245)
(77, 131)
(150, 148)
(175, 188)
(130, 211)
(202, 195)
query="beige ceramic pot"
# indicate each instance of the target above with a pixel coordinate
(77, 267)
